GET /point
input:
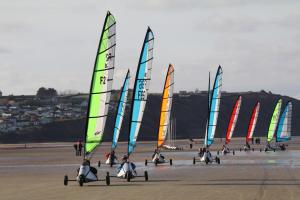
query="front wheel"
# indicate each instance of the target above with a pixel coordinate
(156, 162)
(107, 179)
(66, 179)
(128, 176)
(194, 160)
(99, 163)
(218, 160)
(81, 179)
(171, 162)
(146, 162)
(206, 160)
(146, 175)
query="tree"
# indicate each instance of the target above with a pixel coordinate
(44, 93)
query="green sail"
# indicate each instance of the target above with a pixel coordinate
(274, 120)
(101, 85)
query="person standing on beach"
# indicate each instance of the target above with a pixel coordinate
(76, 149)
(79, 148)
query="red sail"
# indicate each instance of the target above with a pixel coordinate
(233, 119)
(252, 122)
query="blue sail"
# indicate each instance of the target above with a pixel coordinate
(120, 111)
(140, 90)
(284, 126)
(214, 106)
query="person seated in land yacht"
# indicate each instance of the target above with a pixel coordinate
(157, 155)
(125, 160)
(112, 156)
(282, 147)
(225, 149)
(86, 162)
(247, 146)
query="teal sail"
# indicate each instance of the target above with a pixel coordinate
(214, 106)
(120, 111)
(140, 89)
(285, 124)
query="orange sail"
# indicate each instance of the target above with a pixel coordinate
(166, 106)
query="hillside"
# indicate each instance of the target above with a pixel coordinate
(190, 111)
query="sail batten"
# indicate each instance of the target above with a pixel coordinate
(274, 120)
(101, 85)
(214, 105)
(252, 122)
(140, 90)
(233, 119)
(166, 107)
(285, 124)
(120, 111)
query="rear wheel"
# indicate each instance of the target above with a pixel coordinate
(171, 162)
(252, 149)
(107, 178)
(240, 149)
(194, 160)
(66, 179)
(99, 163)
(146, 175)
(156, 162)
(233, 152)
(259, 150)
(146, 162)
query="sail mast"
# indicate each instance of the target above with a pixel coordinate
(208, 93)
(120, 111)
(166, 106)
(140, 90)
(101, 85)
(208, 108)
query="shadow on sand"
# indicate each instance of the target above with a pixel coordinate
(245, 182)
(125, 183)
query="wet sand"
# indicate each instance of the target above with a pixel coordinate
(37, 173)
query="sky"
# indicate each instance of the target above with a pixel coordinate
(54, 43)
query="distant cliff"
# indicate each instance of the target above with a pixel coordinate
(190, 111)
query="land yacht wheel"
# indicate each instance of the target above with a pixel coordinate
(146, 175)
(107, 179)
(66, 179)
(81, 179)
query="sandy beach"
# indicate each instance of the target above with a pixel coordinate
(37, 171)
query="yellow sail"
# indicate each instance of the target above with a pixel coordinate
(166, 106)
